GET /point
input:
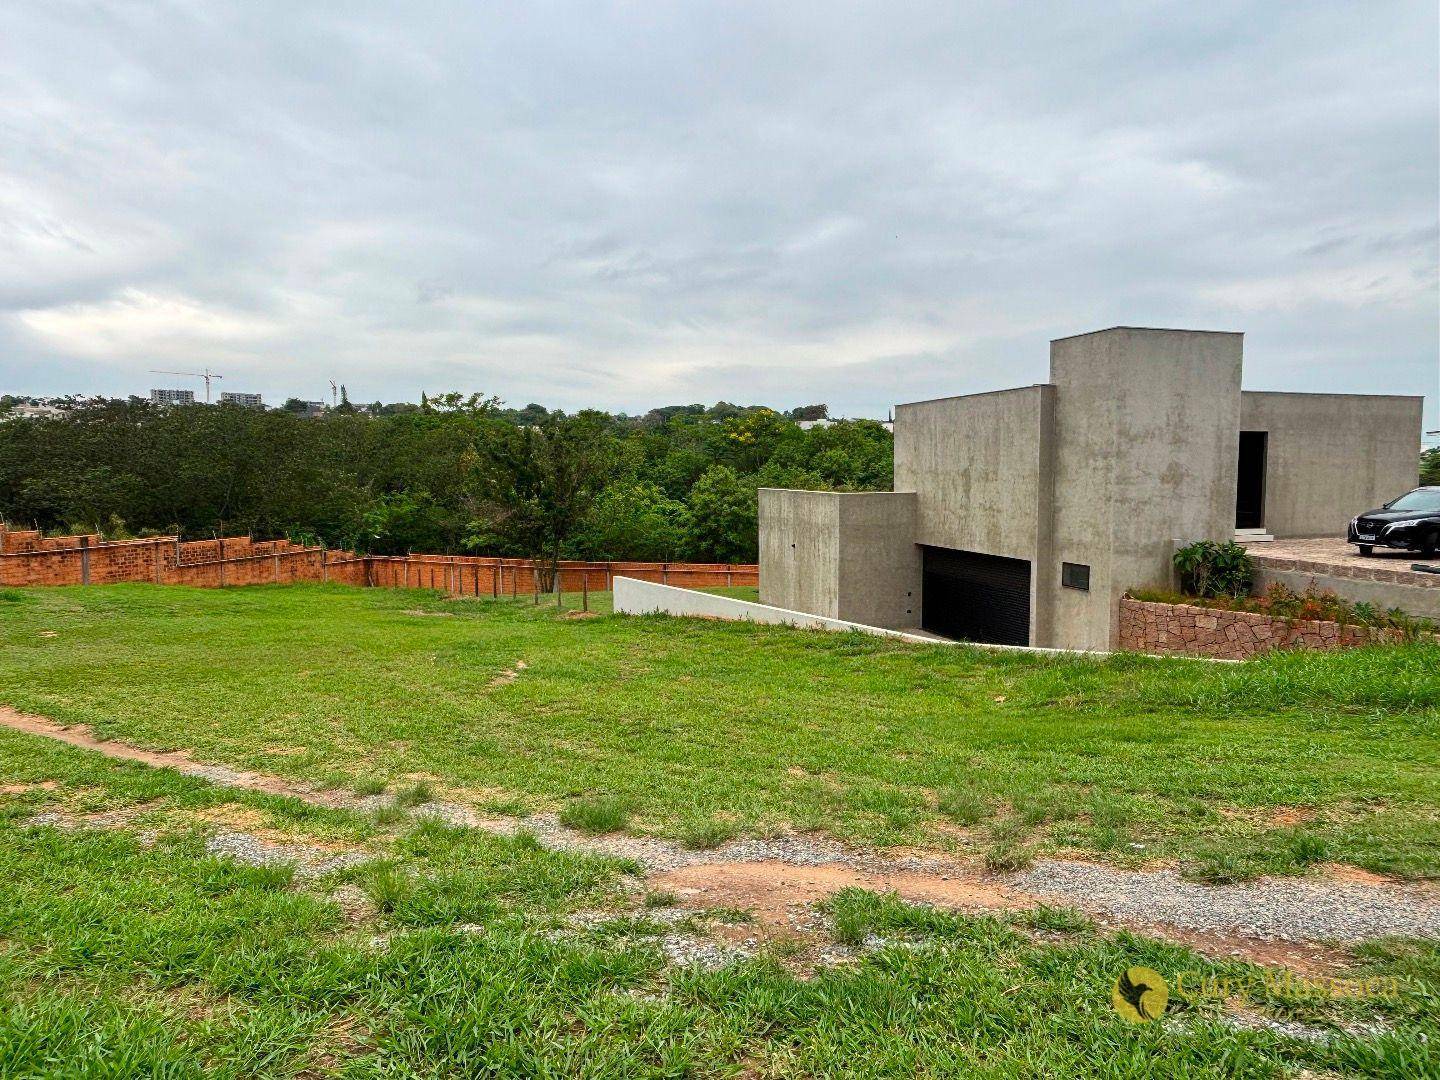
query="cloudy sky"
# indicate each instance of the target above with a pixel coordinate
(637, 204)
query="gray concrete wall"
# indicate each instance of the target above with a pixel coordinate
(879, 570)
(841, 555)
(982, 468)
(978, 465)
(1146, 436)
(800, 551)
(1332, 456)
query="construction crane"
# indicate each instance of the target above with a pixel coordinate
(207, 375)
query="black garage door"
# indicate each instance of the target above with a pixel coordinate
(976, 597)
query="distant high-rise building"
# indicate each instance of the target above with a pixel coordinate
(249, 401)
(172, 397)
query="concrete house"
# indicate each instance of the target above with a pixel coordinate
(1022, 516)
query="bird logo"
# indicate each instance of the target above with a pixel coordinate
(1140, 995)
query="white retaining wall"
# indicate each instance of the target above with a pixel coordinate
(636, 597)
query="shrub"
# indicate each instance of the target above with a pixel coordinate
(1209, 569)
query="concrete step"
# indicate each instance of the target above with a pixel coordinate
(1252, 536)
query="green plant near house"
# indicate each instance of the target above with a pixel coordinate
(1209, 569)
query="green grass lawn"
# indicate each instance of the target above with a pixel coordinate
(690, 728)
(127, 951)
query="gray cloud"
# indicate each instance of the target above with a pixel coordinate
(628, 205)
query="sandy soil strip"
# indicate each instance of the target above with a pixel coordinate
(79, 735)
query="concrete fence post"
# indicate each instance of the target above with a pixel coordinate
(157, 559)
(277, 567)
(585, 589)
(84, 560)
(324, 563)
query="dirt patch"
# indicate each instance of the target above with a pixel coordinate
(21, 789)
(580, 615)
(773, 891)
(417, 613)
(1354, 875)
(257, 823)
(1303, 958)
(509, 675)
(96, 819)
(79, 735)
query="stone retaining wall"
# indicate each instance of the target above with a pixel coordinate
(1232, 635)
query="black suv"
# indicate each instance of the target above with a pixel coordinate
(1411, 523)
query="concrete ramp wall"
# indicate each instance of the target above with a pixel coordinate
(635, 597)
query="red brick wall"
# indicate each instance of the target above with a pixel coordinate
(1231, 635)
(28, 559)
(479, 575)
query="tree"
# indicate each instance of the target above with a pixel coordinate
(632, 519)
(538, 483)
(810, 412)
(1430, 466)
(723, 525)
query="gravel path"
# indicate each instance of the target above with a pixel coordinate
(1271, 909)
(309, 862)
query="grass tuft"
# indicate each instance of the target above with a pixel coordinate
(1307, 849)
(707, 835)
(1218, 868)
(963, 807)
(1056, 920)
(1008, 857)
(387, 885)
(417, 794)
(597, 814)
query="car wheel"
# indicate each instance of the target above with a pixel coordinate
(1366, 549)
(1428, 546)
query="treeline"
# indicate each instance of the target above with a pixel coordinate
(454, 474)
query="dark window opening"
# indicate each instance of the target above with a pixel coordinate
(973, 597)
(1250, 483)
(1075, 576)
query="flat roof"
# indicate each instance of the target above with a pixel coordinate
(1148, 330)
